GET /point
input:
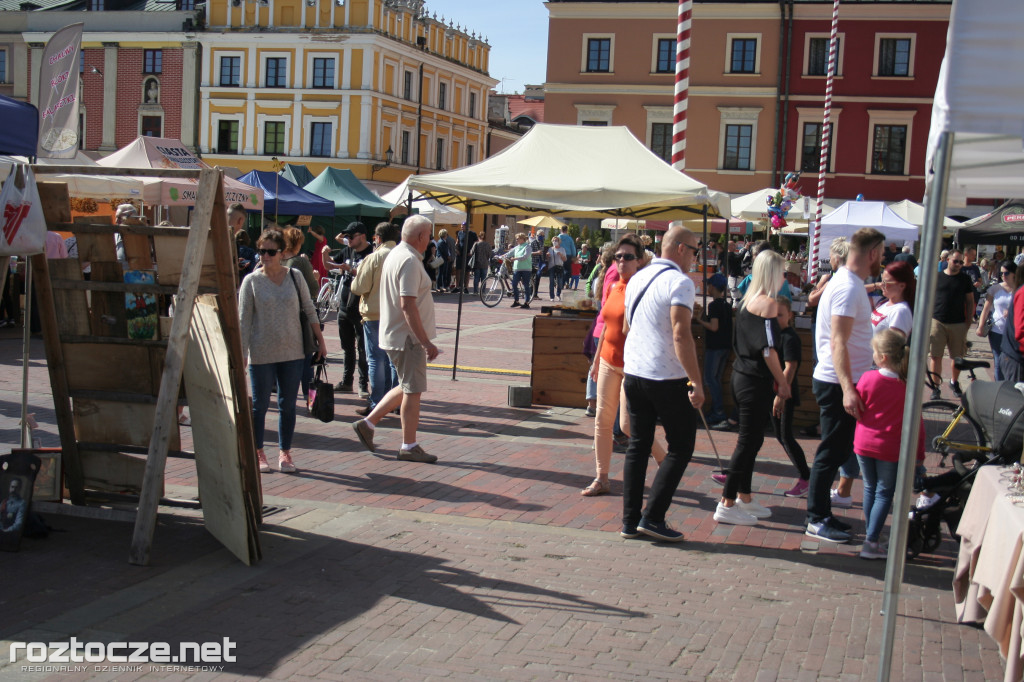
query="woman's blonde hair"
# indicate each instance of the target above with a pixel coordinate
(519, 235)
(893, 344)
(293, 239)
(840, 249)
(442, 234)
(769, 268)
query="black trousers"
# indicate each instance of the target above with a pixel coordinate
(837, 427)
(647, 400)
(351, 334)
(753, 398)
(784, 433)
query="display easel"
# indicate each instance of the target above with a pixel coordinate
(115, 397)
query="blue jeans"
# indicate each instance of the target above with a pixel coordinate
(479, 275)
(714, 368)
(383, 376)
(879, 485)
(523, 276)
(851, 467)
(836, 446)
(995, 342)
(574, 282)
(286, 376)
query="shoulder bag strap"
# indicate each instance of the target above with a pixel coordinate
(632, 310)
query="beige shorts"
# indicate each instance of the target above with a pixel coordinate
(411, 365)
(953, 336)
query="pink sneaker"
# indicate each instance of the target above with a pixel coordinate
(264, 464)
(284, 462)
(798, 490)
(718, 478)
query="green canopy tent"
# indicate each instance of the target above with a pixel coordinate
(297, 174)
(352, 201)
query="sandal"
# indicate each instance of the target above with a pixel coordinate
(596, 488)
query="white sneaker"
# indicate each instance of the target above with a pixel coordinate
(840, 501)
(925, 500)
(734, 515)
(874, 550)
(754, 509)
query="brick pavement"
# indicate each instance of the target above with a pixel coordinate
(486, 565)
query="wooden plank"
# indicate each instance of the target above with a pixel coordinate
(97, 247)
(72, 306)
(73, 475)
(55, 200)
(170, 254)
(137, 251)
(122, 287)
(153, 343)
(570, 364)
(88, 227)
(89, 367)
(556, 398)
(211, 402)
(112, 471)
(165, 421)
(108, 421)
(44, 170)
(107, 315)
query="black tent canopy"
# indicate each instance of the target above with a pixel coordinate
(1003, 226)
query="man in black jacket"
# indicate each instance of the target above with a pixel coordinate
(350, 328)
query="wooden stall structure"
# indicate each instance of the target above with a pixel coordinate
(558, 368)
(116, 383)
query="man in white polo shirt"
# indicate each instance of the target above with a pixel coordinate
(660, 368)
(843, 343)
(406, 332)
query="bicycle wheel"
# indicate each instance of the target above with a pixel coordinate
(323, 302)
(937, 415)
(492, 291)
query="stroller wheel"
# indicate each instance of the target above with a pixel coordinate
(915, 537)
(932, 542)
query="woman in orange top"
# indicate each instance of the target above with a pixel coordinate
(607, 368)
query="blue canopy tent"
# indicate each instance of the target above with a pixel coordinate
(20, 132)
(285, 198)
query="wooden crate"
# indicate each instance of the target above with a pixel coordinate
(558, 371)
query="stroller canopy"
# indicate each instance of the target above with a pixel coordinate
(998, 408)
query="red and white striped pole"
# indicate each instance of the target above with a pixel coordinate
(682, 85)
(826, 136)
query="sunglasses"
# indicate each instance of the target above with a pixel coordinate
(958, 262)
(625, 256)
(268, 252)
(692, 248)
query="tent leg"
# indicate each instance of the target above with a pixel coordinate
(26, 430)
(931, 241)
(461, 284)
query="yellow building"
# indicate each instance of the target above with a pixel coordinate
(341, 83)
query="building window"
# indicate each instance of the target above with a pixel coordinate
(442, 95)
(470, 153)
(599, 55)
(666, 56)
(472, 105)
(439, 161)
(737, 147)
(811, 148)
(95, 5)
(320, 139)
(744, 56)
(227, 137)
(3, 66)
(323, 72)
(894, 57)
(81, 61)
(407, 86)
(594, 123)
(81, 129)
(276, 72)
(152, 126)
(889, 150)
(230, 71)
(186, 5)
(152, 61)
(273, 138)
(661, 140)
(817, 56)
(405, 148)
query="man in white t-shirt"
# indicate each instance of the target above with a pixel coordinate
(843, 343)
(660, 364)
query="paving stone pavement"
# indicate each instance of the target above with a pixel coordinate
(488, 565)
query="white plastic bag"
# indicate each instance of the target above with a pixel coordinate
(22, 225)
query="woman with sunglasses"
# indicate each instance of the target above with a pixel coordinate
(997, 304)
(269, 301)
(899, 287)
(608, 363)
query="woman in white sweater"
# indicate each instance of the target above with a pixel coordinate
(268, 304)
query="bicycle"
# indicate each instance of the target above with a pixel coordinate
(498, 284)
(328, 299)
(948, 429)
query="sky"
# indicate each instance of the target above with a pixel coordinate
(517, 31)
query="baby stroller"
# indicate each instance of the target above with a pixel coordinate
(997, 409)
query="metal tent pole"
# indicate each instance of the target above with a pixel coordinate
(462, 286)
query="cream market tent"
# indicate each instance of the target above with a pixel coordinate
(853, 215)
(83, 186)
(162, 152)
(438, 213)
(914, 214)
(579, 171)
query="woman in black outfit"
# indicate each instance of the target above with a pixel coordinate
(756, 342)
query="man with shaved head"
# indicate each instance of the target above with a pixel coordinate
(660, 371)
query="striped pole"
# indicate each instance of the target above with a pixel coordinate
(826, 135)
(682, 85)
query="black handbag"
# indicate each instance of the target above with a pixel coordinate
(309, 344)
(321, 394)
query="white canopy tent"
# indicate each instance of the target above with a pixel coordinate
(438, 213)
(853, 215)
(83, 186)
(975, 150)
(582, 171)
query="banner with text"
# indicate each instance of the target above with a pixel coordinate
(58, 94)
